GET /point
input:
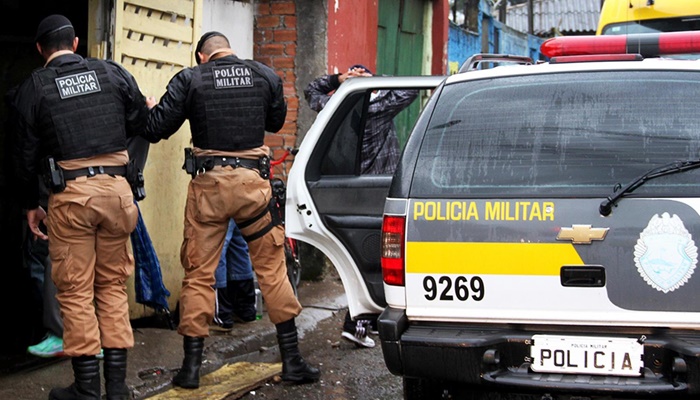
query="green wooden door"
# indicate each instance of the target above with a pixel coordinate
(400, 49)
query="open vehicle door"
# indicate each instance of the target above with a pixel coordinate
(334, 207)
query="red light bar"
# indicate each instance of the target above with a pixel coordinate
(646, 44)
(595, 57)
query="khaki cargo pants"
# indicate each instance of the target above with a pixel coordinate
(88, 227)
(213, 198)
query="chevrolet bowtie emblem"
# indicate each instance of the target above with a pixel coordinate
(582, 234)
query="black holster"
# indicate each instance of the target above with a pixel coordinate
(190, 161)
(135, 178)
(279, 196)
(53, 175)
(276, 209)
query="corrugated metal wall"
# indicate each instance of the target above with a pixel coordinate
(570, 16)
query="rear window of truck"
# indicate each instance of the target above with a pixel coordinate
(564, 135)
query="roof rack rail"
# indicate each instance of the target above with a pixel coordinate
(474, 61)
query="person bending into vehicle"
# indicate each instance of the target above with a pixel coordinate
(380, 145)
(79, 112)
(230, 103)
(380, 154)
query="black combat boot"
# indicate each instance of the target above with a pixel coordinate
(188, 377)
(115, 374)
(86, 370)
(242, 295)
(294, 368)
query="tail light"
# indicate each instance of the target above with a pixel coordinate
(393, 241)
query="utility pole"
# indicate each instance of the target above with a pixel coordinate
(530, 18)
(502, 11)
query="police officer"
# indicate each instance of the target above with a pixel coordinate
(75, 115)
(230, 103)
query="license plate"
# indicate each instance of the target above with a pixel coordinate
(586, 355)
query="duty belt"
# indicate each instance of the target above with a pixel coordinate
(236, 162)
(92, 171)
(262, 164)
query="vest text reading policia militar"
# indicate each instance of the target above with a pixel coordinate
(230, 108)
(78, 113)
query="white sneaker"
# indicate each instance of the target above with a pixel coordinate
(363, 341)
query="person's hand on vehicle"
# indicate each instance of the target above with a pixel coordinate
(353, 73)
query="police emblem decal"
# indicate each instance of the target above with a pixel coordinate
(665, 253)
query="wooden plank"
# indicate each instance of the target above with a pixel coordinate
(153, 65)
(196, 27)
(174, 54)
(231, 380)
(152, 82)
(118, 23)
(182, 7)
(387, 40)
(161, 28)
(412, 16)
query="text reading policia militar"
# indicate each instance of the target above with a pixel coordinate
(78, 84)
(234, 76)
(489, 211)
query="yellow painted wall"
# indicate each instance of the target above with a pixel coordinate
(154, 40)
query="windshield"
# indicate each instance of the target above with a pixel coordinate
(573, 134)
(653, 26)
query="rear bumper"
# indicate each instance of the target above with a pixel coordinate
(496, 356)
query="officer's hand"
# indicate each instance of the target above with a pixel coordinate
(151, 102)
(34, 217)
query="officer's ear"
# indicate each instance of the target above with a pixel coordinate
(75, 44)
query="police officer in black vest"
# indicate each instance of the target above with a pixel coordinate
(230, 103)
(75, 115)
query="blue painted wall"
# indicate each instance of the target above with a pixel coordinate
(463, 44)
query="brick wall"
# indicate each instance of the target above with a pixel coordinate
(275, 44)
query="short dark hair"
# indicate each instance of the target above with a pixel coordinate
(207, 46)
(58, 40)
(55, 32)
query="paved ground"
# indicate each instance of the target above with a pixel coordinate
(348, 372)
(157, 353)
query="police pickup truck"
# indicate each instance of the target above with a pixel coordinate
(537, 240)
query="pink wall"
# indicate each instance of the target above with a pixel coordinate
(352, 34)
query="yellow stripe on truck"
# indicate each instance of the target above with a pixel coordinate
(489, 258)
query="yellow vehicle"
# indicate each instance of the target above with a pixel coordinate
(622, 17)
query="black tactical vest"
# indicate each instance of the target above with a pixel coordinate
(228, 105)
(81, 113)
